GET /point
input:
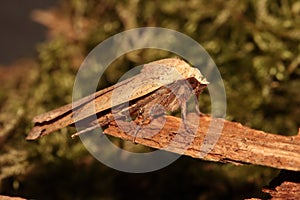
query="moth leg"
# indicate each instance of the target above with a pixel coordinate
(184, 116)
(140, 113)
(197, 105)
(135, 133)
(147, 115)
(85, 130)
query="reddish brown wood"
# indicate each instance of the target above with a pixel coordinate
(10, 198)
(237, 144)
(285, 186)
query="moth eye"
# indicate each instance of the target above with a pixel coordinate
(192, 81)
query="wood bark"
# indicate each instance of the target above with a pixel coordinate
(236, 143)
(285, 186)
(10, 198)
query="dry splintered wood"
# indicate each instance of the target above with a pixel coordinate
(286, 190)
(10, 198)
(236, 144)
(285, 186)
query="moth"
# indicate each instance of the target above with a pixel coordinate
(162, 85)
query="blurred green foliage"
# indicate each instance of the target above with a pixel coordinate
(255, 45)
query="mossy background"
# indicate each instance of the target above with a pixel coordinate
(255, 44)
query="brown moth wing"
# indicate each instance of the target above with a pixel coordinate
(50, 115)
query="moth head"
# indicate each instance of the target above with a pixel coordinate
(194, 72)
(184, 69)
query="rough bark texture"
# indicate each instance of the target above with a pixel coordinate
(285, 186)
(10, 198)
(235, 144)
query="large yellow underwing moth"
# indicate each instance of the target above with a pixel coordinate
(167, 82)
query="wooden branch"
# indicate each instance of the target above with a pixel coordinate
(285, 186)
(10, 198)
(236, 143)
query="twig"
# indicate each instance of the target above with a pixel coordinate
(236, 143)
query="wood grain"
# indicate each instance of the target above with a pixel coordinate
(236, 144)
